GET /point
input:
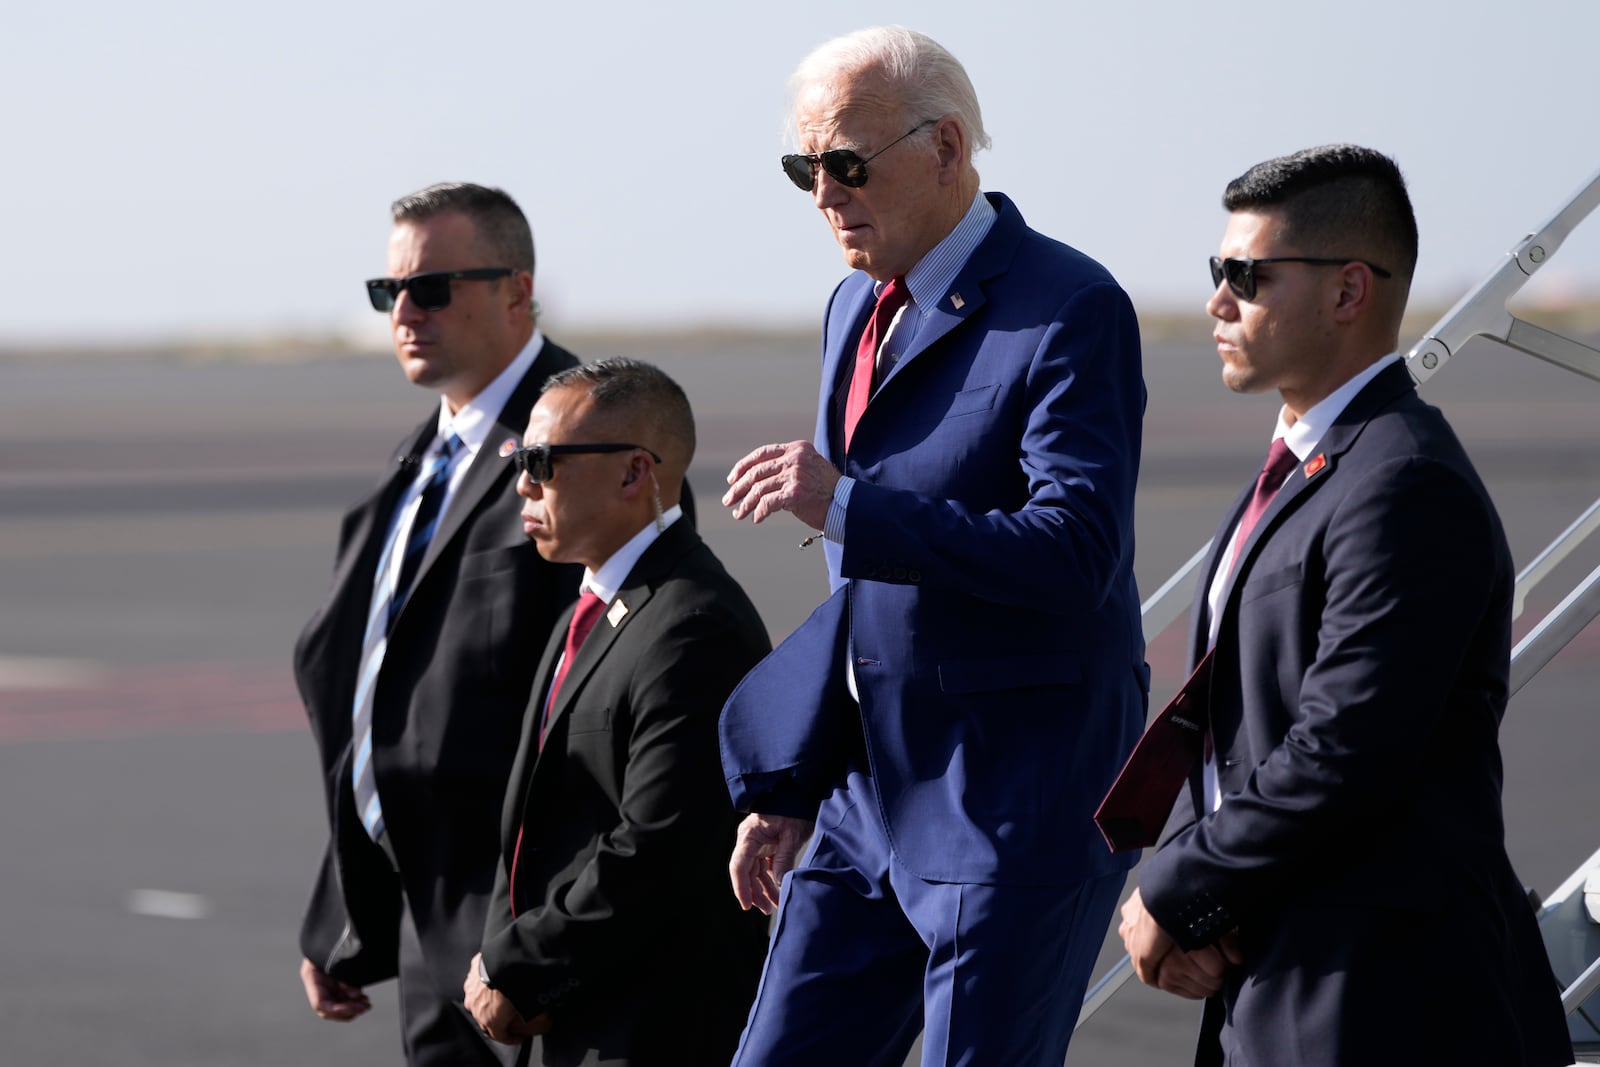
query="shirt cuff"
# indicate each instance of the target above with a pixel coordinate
(833, 526)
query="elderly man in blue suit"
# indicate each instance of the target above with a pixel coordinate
(942, 727)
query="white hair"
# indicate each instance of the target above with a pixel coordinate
(930, 82)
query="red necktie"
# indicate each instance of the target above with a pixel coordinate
(1280, 461)
(584, 616)
(890, 301)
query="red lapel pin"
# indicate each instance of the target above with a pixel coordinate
(1317, 463)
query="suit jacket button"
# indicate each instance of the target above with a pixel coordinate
(914, 575)
(899, 574)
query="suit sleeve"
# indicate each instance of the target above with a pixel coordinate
(1079, 450)
(1412, 575)
(669, 846)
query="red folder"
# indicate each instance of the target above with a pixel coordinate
(1140, 800)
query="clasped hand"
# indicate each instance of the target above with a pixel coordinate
(1159, 962)
(494, 1013)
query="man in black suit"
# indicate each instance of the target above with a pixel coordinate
(416, 710)
(611, 936)
(1336, 881)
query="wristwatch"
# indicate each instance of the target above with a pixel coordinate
(483, 974)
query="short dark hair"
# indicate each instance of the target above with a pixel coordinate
(498, 220)
(1338, 199)
(636, 389)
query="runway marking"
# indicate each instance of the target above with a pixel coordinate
(165, 904)
(211, 697)
(43, 672)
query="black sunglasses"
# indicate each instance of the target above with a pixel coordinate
(429, 290)
(842, 164)
(537, 461)
(1240, 271)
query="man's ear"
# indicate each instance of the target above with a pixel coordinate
(950, 142)
(637, 477)
(1355, 294)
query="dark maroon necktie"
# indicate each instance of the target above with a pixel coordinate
(1137, 805)
(1280, 461)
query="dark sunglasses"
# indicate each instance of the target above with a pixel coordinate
(538, 461)
(843, 165)
(1240, 271)
(429, 290)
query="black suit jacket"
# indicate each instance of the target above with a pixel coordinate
(1359, 680)
(447, 711)
(627, 931)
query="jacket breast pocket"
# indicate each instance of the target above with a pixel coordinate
(1260, 585)
(589, 719)
(972, 401)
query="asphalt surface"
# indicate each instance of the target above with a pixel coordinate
(166, 527)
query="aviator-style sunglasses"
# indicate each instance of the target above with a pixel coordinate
(842, 164)
(538, 461)
(429, 290)
(1240, 271)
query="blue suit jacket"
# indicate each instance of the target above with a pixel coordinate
(1359, 679)
(984, 588)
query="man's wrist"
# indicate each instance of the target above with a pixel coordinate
(833, 526)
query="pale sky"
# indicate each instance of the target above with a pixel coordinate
(189, 170)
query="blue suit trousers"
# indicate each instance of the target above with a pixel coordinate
(865, 954)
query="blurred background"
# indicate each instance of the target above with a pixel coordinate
(192, 388)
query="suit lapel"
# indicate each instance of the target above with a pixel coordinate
(658, 560)
(967, 294)
(373, 517)
(489, 471)
(1318, 468)
(969, 291)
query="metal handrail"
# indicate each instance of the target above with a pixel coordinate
(1546, 561)
(1482, 312)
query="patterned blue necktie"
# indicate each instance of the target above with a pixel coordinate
(387, 599)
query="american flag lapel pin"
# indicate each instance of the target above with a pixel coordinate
(1314, 468)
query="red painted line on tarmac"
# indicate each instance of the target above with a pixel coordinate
(167, 699)
(237, 697)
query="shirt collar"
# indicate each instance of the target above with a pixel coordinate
(1308, 430)
(477, 416)
(932, 275)
(606, 582)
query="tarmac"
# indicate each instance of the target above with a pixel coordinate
(167, 525)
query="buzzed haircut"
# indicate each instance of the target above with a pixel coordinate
(499, 222)
(635, 389)
(1335, 200)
